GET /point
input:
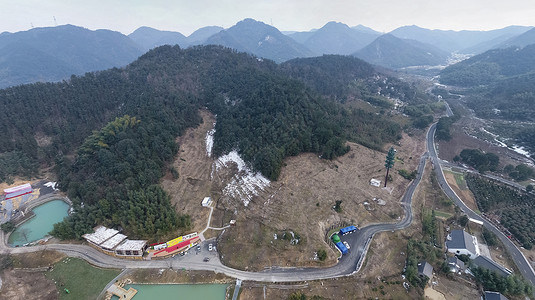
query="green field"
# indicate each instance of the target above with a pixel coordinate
(459, 179)
(442, 214)
(81, 279)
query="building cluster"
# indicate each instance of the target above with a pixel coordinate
(111, 242)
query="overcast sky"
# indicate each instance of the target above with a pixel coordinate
(186, 16)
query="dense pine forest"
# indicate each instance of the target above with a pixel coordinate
(109, 135)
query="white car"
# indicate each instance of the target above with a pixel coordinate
(210, 247)
(347, 245)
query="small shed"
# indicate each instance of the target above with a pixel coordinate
(494, 296)
(375, 182)
(425, 269)
(455, 264)
(206, 202)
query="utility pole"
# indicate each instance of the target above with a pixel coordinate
(389, 162)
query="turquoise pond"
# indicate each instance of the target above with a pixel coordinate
(46, 215)
(178, 291)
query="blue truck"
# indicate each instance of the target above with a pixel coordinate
(348, 229)
(342, 247)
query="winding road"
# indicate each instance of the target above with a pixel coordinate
(347, 265)
(519, 259)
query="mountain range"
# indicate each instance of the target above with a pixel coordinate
(55, 53)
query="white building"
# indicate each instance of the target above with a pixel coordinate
(206, 202)
(460, 242)
(375, 182)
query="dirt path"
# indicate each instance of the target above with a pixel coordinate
(194, 167)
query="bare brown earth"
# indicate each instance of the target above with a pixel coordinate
(177, 276)
(194, 168)
(301, 201)
(27, 284)
(464, 136)
(27, 280)
(465, 194)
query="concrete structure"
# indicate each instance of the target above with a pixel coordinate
(489, 264)
(206, 202)
(493, 296)
(455, 264)
(460, 242)
(425, 269)
(100, 235)
(131, 249)
(375, 182)
(17, 191)
(120, 292)
(112, 242)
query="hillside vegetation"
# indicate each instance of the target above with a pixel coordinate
(140, 110)
(513, 208)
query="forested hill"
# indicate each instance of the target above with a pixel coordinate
(261, 112)
(490, 67)
(502, 83)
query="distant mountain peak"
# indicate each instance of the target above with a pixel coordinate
(260, 39)
(393, 52)
(338, 38)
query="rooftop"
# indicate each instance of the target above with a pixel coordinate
(131, 245)
(18, 188)
(425, 268)
(100, 235)
(460, 239)
(494, 296)
(489, 264)
(113, 241)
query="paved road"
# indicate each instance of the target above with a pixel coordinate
(347, 265)
(521, 262)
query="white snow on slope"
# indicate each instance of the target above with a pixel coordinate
(51, 185)
(210, 141)
(245, 184)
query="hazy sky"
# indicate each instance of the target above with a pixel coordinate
(186, 16)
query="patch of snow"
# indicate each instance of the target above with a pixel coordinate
(246, 183)
(52, 185)
(210, 141)
(520, 150)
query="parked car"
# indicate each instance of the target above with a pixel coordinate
(347, 245)
(206, 259)
(210, 247)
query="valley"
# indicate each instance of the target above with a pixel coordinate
(258, 148)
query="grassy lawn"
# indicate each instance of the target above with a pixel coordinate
(80, 278)
(442, 214)
(461, 183)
